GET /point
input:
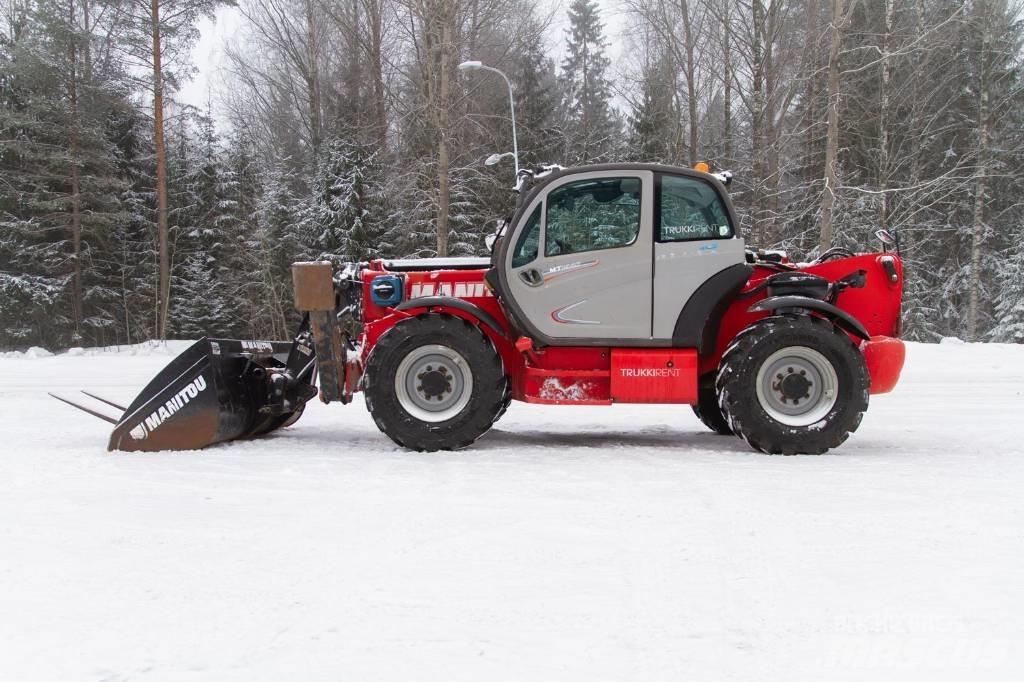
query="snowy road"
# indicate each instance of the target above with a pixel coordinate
(591, 544)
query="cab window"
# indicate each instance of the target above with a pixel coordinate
(691, 209)
(529, 240)
(592, 214)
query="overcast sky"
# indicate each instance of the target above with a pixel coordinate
(215, 33)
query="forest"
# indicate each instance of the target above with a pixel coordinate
(344, 130)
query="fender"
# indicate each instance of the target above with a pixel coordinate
(698, 321)
(456, 303)
(841, 318)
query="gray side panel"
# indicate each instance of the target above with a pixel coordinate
(680, 268)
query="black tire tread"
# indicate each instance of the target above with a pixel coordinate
(707, 408)
(743, 412)
(491, 389)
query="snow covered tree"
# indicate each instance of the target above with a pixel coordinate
(1009, 299)
(325, 219)
(271, 243)
(591, 128)
(365, 206)
(344, 219)
(536, 97)
(57, 160)
(203, 228)
(652, 119)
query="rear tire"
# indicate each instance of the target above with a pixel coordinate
(435, 382)
(707, 408)
(793, 385)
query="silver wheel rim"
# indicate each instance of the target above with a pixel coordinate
(433, 383)
(797, 386)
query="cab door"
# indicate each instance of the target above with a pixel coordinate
(579, 268)
(695, 238)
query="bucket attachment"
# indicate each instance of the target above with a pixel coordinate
(217, 390)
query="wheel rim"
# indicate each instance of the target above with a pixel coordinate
(797, 386)
(433, 383)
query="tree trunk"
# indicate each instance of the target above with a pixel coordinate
(727, 78)
(811, 60)
(828, 195)
(691, 86)
(443, 102)
(917, 117)
(76, 180)
(164, 282)
(980, 182)
(374, 12)
(757, 125)
(771, 144)
(313, 82)
(883, 122)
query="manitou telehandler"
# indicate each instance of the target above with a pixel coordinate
(614, 283)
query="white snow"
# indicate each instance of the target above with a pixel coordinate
(622, 543)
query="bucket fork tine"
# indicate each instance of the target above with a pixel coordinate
(83, 408)
(104, 400)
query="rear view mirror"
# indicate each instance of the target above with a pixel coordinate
(886, 237)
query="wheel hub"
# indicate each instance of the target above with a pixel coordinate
(797, 386)
(793, 386)
(433, 383)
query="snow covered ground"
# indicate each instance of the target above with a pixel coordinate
(621, 543)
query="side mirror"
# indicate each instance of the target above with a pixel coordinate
(491, 239)
(886, 237)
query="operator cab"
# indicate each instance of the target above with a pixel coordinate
(611, 254)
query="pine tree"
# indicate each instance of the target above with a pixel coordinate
(536, 100)
(364, 206)
(652, 118)
(202, 230)
(1009, 299)
(323, 220)
(591, 128)
(58, 163)
(273, 243)
(33, 306)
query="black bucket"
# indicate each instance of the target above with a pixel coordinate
(217, 390)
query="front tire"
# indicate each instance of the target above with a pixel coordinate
(435, 382)
(793, 385)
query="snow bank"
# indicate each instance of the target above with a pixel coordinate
(147, 348)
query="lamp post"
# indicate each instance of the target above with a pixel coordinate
(480, 66)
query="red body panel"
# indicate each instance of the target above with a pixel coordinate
(876, 306)
(654, 375)
(593, 376)
(884, 356)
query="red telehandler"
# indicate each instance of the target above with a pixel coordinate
(613, 283)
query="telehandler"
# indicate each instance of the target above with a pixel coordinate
(612, 283)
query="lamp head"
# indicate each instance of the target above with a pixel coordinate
(470, 65)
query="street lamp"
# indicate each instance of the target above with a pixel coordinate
(480, 66)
